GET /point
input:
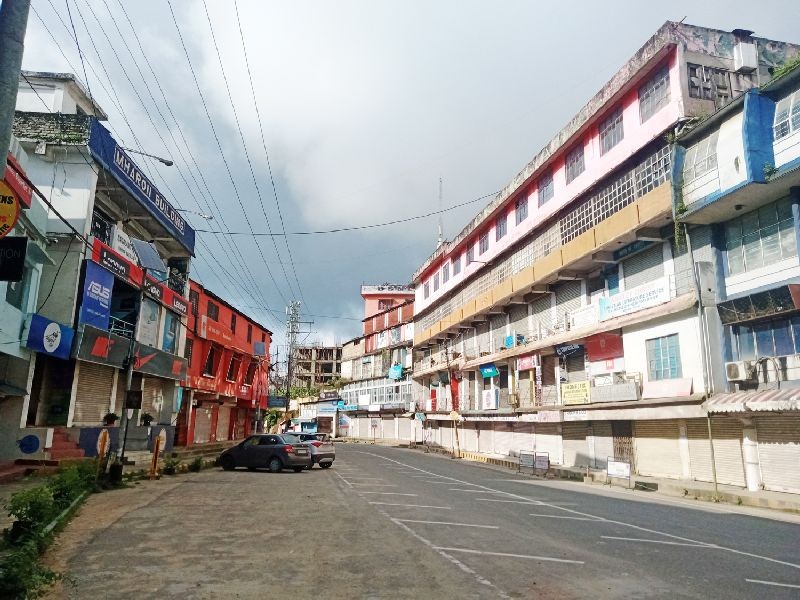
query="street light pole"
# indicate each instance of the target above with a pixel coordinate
(164, 161)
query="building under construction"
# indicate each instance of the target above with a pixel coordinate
(314, 366)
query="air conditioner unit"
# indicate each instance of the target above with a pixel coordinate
(739, 371)
(792, 361)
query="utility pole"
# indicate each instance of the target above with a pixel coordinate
(292, 328)
(13, 23)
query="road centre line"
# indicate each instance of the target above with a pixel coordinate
(473, 491)
(616, 522)
(375, 484)
(448, 523)
(565, 517)
(413, 505)
(485, 553)
(775, 583)
(387, 493)
(626, 539)
(534, 502)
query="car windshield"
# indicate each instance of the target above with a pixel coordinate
(291, 438)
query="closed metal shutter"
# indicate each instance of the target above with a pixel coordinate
(603, 443)
(727, 434)
(483, 338)
(405, 428)
(241, 419)
(446, 434)
(542, 315)
(470, 437)
(701, 244)
(524, 388)
(656, 448)
(498, 325)
(518, 315)
(699, 449)
(684, 279)
(547, 439)
(523, 437)
(644, 267)
(152, 397)
(202, 425)
(779, 452)
(389, 431)
(223, 423)
(485, 434)
(93, 395)
(568, 299)
(363, 427)
(576, 367)
(576, 448)
(503, 438)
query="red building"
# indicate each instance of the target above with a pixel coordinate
(227, 374)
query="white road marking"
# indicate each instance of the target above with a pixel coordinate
(413, 505)
(625, 539)
(775, 583)
(534, 502)
(472, 491)
(343, 479)
(387, 493)
(375, 484)
(449, 523)
(565, 517)
(621, 523)
(508, 554)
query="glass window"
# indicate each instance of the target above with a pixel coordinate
(500, 227)
(746, 342)
(521, 210)
(483, 243)
(546, 188)
(213, 311)
(663, 358)
(233, 322)
(17, 291)
(187, 352)
(787, 116)
(700, 158)
(760, 238)
(249, 333)
(233, 367)
(470, 254)
(654, 94)
(764, 345)
(611, 131)
(426, 290)
(574, 163)
(782, 333)
(210, 366)
(172, 324)
(194, 300)
(436, 282)
(445, 272)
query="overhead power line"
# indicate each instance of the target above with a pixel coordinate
(355, 227)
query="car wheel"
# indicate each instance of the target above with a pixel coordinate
(275, 465)
(311, 466)
(227, 463)
(297, 469)
(326, 465)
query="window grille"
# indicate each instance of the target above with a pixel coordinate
(654, 95)
(611, 131)
(574, 163)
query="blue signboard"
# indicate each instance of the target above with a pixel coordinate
(489, 370)
(105, 149)
(96, 304)
(49, 337)
(631, 249)
(396, 372)
(276, 402)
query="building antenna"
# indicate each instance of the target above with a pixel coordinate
(439, 239)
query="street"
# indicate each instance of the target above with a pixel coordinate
(395, 523)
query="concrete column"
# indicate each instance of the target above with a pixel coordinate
(590, 443)
(752, 466)
(73, 393)
(683, 449)
(560, 431)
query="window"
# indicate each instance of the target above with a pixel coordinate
(17, 291)
(471, 254)
(700, 159)
(385, 304)
(663, 358)
(210, 366)
(574, 163)
(426, 290)
(102, 226)
(521, 210)
(249, 333)
(187, 352)
(709, 83)
(212, 311)
(500, 227)
(263, 336)
(611, 131)
(194, 300)
(250, 375)
(483, 243)
(445, 273)
(546, 189)
(787, 116)
(233, 367)
(457, 265)
(776, 337)
(760, 238)
(172, 324)
(436, 282)
(233, 322)
(654, 95)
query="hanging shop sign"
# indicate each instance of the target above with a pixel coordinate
(643, 296)
(575, 392)
(9, 209)
(527, 362)
(396, 372)
(115, 160)
(489, 370)
(15, 179)
(12, 257)
(96, 304)
(329, 395)
(567, 349)
(48, 337)
(121, 242)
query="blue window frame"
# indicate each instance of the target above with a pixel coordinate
(776, 337)
(663, 358)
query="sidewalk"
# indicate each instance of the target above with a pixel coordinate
(698, 490)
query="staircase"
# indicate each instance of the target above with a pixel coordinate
(63, 447)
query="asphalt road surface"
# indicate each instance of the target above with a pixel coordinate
(395, 523)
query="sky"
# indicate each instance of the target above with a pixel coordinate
(361, 107)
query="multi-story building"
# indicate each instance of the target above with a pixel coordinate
(227, 379)
(567, 317)
(120, 255)
(737, 185)
(316, 366)
(377, 364)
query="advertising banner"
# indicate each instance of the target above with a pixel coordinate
(121, 242)
(96, 303)
(14, 179)
(12, 257)
(217, 332)
(604, 346)
(396, 372)
(575, 392)
(9, 209)
(641, 297)
(527, 362)
(49, 337)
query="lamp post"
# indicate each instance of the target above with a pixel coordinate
(164, 161)
(205, 216)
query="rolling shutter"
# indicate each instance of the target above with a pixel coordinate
(470, 437)
(482, 330)
(223, 423)
(568, 299)
(727, 434)
(603, 443)
(656, 448)
(406, 431)
(363, 427)
(518, 315)
(446, 435)
(241, 419)
(93, 394)
(542, 315)
(202, 425)
(498, 323)
(547, 439)
(699, 449)
(576, 448)
(644, 267)
(152, 397)
(523, 437)
(503, 438)
(779, 452)
(387, 426)
(485, 436)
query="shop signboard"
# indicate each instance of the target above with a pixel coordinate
(153, 361)
(121, 242)
(46, 336)
(489, 370)
(349, 407)
(527, 362)
(276, 401)
(396, 372)
(217, 332)
(9, 209)
(603, 346)
(96, 303)
(576, 415)
(643, 296)
(563, 350)
(575, 392)
(12, 257)
(329, 395)
(618, 468)
(327, 407)
(631, 249)
(15, 179)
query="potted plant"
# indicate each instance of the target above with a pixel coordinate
(110, 419)
(147, 419)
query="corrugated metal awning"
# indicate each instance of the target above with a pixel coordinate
(760, 401)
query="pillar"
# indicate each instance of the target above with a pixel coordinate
(752, 466)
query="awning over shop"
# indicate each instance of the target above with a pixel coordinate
(763, 401)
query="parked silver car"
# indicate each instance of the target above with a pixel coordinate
(321, 446)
